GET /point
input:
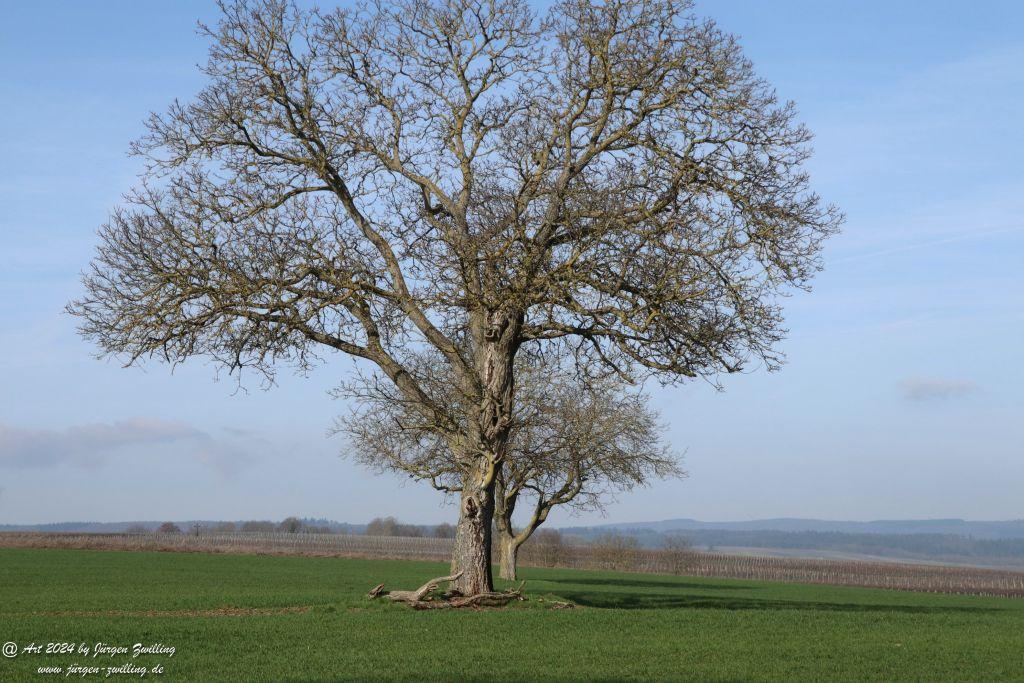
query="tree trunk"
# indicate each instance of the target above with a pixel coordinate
(508, 552)
(494, 336)
(471, 553)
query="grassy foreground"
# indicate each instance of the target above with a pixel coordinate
(238, 617)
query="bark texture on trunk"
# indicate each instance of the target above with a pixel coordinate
(494, 337)
(471, 553)
(508, 552)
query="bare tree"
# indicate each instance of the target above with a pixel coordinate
(291, 525)
(444, 531)
(612, 179)
(548, 547)
(571, 443)
(574, 444)
(169, 528)
(615, 550)
(387, 526)
(678, 550)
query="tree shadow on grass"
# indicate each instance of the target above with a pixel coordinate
(642, 600)
(668, 583)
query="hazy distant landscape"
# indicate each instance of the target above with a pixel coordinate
(954, 541)
(939, 541)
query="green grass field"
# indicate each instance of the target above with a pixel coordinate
(627, 626)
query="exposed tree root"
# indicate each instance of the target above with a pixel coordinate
(418, 594)
(421, 598)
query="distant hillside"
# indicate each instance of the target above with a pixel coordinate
(949, 541)
(120, 527)
(1013, 529)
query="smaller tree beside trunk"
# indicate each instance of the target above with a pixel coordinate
(571, 442)
(574, 444)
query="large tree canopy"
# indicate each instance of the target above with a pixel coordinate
(611, 178)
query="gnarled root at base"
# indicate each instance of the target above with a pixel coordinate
(421, 598)
(495, 599)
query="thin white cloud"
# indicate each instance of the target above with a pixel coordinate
(936, 388)
(240, 432)
(91, 445)
(925, 245)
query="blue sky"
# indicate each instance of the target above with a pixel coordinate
(901, 398)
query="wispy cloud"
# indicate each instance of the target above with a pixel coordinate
(936, 388)
(239, 431)
(91, 445)
(952, 239)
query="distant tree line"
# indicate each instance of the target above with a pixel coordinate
(292, 525)
(379, 526)
(389, 526)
